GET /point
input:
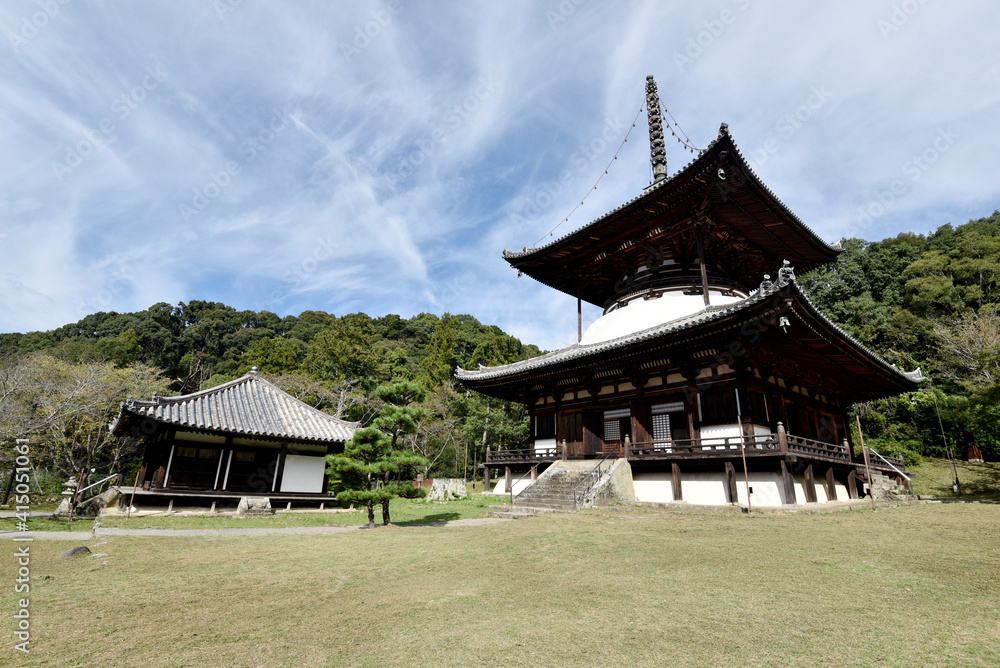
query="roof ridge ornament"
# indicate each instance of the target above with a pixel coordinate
(786, 274)
(657, 151)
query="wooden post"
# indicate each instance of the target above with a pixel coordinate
(810, 485)
(507, 481)
(787, 484)
(534, 473)
(731, 483)
(743, 453)
(486, 479)
(564, 453)
(831, 485)
(128, 514)
(852, 485)
(868, 470)
(579, 315)
(678, 496)
(782, 439)
(701, 263)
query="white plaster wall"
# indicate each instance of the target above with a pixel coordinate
(303, 474)
(766, 489)
(653, 487)
(519, 486)
(709, 489)
(640, 314)
(704, 489)
(720, 432)
(544, 446)
(839, 489)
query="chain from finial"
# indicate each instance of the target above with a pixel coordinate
(657, 150)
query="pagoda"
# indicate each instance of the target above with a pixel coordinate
(709, 358)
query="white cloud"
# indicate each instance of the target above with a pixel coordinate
(406, 167)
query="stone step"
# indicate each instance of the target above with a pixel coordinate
(509, 513)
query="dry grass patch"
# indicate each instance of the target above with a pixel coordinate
(907, 586)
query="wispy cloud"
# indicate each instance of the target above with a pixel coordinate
(344, 157)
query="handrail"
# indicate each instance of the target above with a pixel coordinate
(577, 499)
(872, 450)
(522, 454)
(514, 483)
(113, 475)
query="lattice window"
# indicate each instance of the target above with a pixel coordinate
(661, 428)
(612, 432)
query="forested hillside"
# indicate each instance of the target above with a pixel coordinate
(928, 301)
(64, 386)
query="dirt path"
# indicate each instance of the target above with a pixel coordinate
(102, 532)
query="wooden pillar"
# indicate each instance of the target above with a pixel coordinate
(852, 485)
(534, 473)
(731, 483)
(506, 480)
(565, 454)
(831, 488)
(810, 485)
(701, 263)
(787, 484)
(486, 480)
(579, 315)
(782, 438)
(678, 495)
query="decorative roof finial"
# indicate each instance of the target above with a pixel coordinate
(657, 152)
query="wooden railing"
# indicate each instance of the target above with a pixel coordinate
(549, 454)
(811, 448)
(703, 446)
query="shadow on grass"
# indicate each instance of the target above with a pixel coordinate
(430, 519)
(986, 484)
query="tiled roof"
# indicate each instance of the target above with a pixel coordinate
(696, 164)
(249, 406)
(710, 314)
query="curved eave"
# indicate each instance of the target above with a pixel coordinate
(706, 160)
(576, 356)
(773, 228)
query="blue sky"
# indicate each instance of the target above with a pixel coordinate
(379, 156)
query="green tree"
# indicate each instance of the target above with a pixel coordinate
(374, 467)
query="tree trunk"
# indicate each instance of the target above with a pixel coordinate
(371, 514)
(385, 513)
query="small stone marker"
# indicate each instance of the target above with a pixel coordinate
(77, 551)
(254, 505)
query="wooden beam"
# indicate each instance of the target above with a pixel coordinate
(810, 485)
(831, 489)
(731, 483)
(852, 485)
(787, 484)
(678, 495)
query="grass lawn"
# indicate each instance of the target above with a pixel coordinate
(977, 481)
(909, 586)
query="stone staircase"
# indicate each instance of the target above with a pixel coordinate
(554, 490)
